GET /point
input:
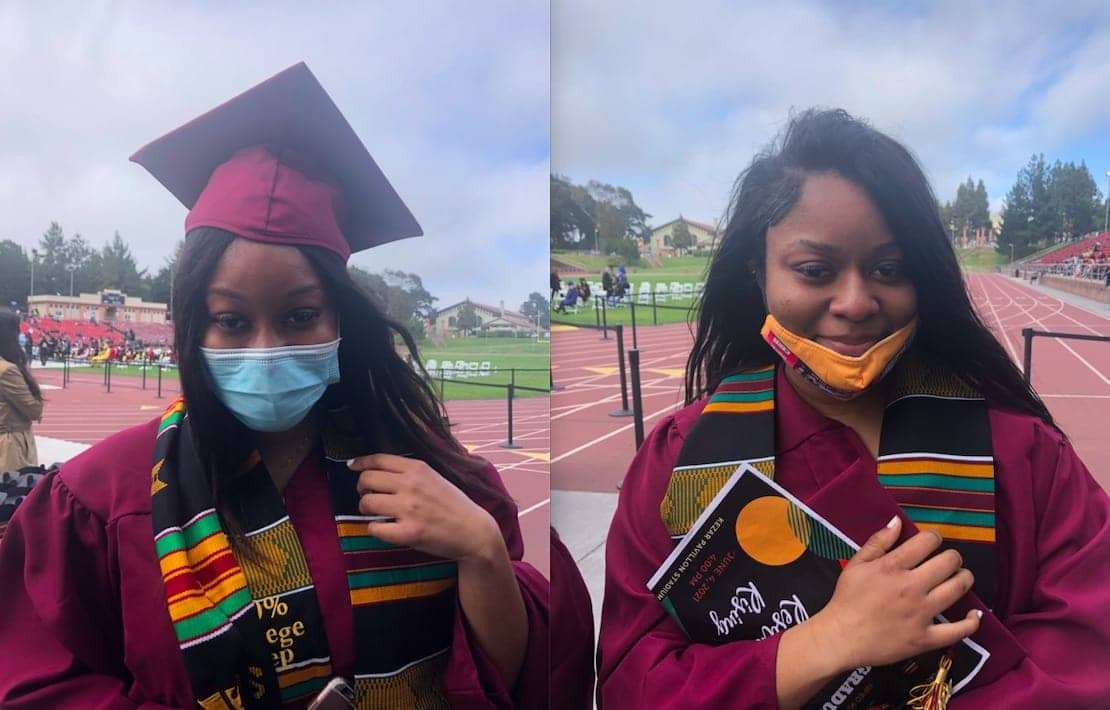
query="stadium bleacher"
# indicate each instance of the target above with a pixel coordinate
(71, 329)
(1076, 249)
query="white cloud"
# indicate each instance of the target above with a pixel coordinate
(672, 101)
(451, 100)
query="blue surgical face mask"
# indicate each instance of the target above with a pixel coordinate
(273, 389)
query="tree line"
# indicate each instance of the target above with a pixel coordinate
(65, 265)
(597, 216)
(1047, 204)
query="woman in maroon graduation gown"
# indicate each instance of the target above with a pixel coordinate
(837, 348)
(302, 513)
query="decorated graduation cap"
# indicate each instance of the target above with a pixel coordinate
(280, 164)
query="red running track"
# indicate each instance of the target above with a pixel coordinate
(85, 413)
(593, 450)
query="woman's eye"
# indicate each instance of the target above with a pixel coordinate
(303, 316)
(889, 271)
(814, 271)
(229, 321)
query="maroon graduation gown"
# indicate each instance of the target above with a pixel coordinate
(84, 621)
(1050, 630)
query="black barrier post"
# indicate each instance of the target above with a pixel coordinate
(632, 312)
(442, 386)
(65, 370)
(144, 373)
(654, 310)
(637, 397)
(159, 380)
(624, 411)
(512, 376)
(509, 444)
(108, 374)
(1027, 368)
(597, 314)
(604, 323)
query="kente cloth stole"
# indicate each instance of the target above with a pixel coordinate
(935, 457)
(249, 625)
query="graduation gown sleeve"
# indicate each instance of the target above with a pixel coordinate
(1056, 543)
(644, 660)
(470, 678)
(60, 637)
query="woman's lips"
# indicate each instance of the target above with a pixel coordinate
(851, 348)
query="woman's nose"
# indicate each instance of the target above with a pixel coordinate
(854, 299)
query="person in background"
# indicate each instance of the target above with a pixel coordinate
(607, 283)
(584, 290)
(556, 285)
(20, 400)
(569, 300)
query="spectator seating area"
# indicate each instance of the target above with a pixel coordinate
(1087, 259)
(642, 291)
(71, 329)
(149, 333)
(1076, 249)
(457, 369)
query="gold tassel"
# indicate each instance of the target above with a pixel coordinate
(934, 695)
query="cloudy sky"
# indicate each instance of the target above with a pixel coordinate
(450, 98)
(672, 101)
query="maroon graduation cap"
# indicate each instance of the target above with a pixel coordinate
(280, 164)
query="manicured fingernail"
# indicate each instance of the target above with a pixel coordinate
(893, 522)
(349, 462)
(979, 613)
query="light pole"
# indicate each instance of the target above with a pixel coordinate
(34, 258)
(71, 268)
(1106, 218)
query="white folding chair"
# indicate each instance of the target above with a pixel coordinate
(661, 291)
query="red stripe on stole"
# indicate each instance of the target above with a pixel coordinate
(197, 579)
(935, 498)
(384, 559)
(759, 386)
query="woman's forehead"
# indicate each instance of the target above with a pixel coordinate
(834, 211)
(245, 263)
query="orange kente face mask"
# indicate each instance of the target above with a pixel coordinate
(840, 376)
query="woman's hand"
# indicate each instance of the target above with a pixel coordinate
(429, 513)
(885, 601)
(433, 516)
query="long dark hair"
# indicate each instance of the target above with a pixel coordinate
(732, 310)
(393, 407)
(10, 350)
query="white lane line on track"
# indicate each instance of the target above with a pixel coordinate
(1076, 305)
(1002, 328)
(1067, 347)
(530, 508)
(1061, 312)
(613, 433)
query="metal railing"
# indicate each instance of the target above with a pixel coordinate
(1029, 333)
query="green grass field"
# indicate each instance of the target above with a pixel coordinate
(671, 311)
(980, 259)
(675, 268)
(503, 354)
(168, 373)
(684, 269)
